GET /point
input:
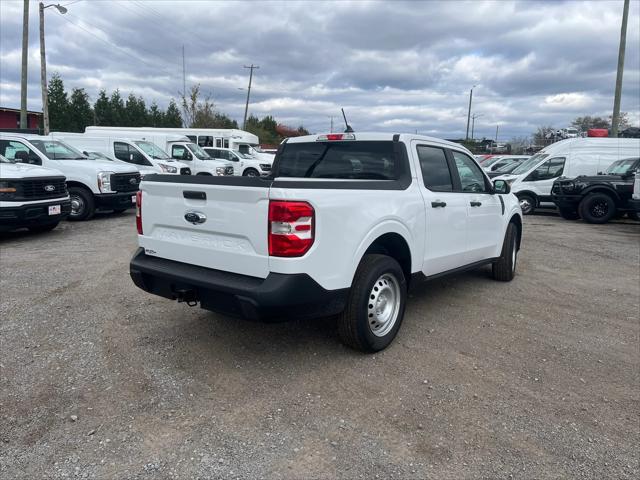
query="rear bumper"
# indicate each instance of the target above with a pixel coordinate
(276, 297)
(33, 214)
(115, 200)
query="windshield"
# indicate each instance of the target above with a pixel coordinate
(199, 152)
(152, 150)
(490, 161)
(621, 166)
(98, 156)
(55, 150)
(509, 167)
(527, 165)
(4, 159)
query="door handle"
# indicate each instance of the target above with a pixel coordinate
(475, 204)
(438, 204)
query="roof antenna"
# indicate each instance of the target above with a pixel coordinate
(348, 129)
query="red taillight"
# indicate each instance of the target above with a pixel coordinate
(332, 137)
(139, 211)
(291, 228)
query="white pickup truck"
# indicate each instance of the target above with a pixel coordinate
(339, 228)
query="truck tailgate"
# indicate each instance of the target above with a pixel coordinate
(230, 232)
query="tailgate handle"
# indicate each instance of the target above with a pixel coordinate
(193, 195)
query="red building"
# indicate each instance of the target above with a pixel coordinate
(10, 118)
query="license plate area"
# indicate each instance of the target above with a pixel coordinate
(54, 210)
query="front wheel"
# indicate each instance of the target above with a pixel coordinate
(82, 204)
(376, 304)
(504, 269)
(250, 172)
(527, 204)
(597, 208)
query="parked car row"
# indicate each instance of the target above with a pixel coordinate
(77, 174)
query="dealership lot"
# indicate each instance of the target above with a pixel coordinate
(534, 378)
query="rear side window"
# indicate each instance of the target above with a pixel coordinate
(205, 141)
(366, 160)
(435, 169)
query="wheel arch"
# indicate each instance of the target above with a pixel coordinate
(601, 189)
(75, 183)
(394, 245)
(517, 221)
(529, 193)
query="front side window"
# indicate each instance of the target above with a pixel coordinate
(471, 177)
(180, 152)
(19, 152)
(218, 143)
(552, 168)
(435, 169)
(121, 151)
(192, 138)
(622, 167)
(527, 165)
(226, 143)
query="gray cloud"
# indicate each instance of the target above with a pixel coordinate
(394, 66)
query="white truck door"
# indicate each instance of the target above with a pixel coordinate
(445, 211)
(484, 210)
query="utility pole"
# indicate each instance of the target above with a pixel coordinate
(25, 57)
(469, 111)
(184, 76)
(246, 107)
(497, 126)
(616, 101)
(331, 117)
(473, 123)
(43, 66)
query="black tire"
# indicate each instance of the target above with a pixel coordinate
(204, 173)
(528, 203)
(568, 213)
(504, 269)
(597, 208)
(43, 228)
(250, 172)
(354, 325)
(82, 204)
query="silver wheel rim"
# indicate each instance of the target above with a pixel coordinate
(525, 205)
(384, 305)
(77, 205)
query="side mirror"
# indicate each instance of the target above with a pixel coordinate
(501, 187)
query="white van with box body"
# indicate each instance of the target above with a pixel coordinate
(31, 197)
(532, 180)
(145, 156)
(92, 184)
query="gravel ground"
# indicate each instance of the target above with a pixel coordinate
(537, 378)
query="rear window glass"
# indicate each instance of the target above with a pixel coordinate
(367, 160)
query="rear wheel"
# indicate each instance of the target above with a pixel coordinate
(43, 228)
(82, 204)
(250, 172)
(597, 208)
(376, 303)
(527, 203)
(568, 213)
(504, 269)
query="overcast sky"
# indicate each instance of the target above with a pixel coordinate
(393, 66)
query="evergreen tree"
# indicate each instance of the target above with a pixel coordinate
(156, 116)
(136, 112)
(172, 117)
(80, 111)
(118, 112)
(58, 105)
(102, 109)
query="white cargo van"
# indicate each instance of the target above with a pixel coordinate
(179, 147)
(244, 165)
(532, 180)
(145, 156)
(92, 184)
(231, 138)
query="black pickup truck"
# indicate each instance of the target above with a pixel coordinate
(596, 199)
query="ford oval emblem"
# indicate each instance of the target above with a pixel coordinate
(195, 217)
(49, 188)
(133, 180)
